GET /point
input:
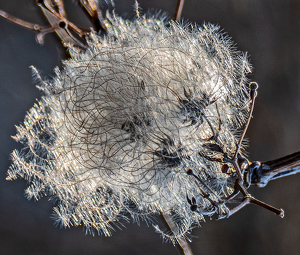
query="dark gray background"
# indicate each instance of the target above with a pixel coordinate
(269, 30)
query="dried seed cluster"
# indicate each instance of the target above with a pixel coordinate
(124, 121)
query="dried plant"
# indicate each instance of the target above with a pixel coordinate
(147, 117)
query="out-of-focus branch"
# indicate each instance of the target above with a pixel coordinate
(179, 9)
(274, 169)
(183, 246)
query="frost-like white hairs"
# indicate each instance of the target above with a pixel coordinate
(123, 124)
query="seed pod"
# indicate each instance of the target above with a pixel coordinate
(125, 119)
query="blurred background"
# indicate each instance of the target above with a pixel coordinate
(268, 30)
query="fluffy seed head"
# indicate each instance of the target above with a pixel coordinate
(123, 124)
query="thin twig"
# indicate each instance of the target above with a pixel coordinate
(20, 21)
(179, 9)
(183, 246)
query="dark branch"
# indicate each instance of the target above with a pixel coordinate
(274, 169)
